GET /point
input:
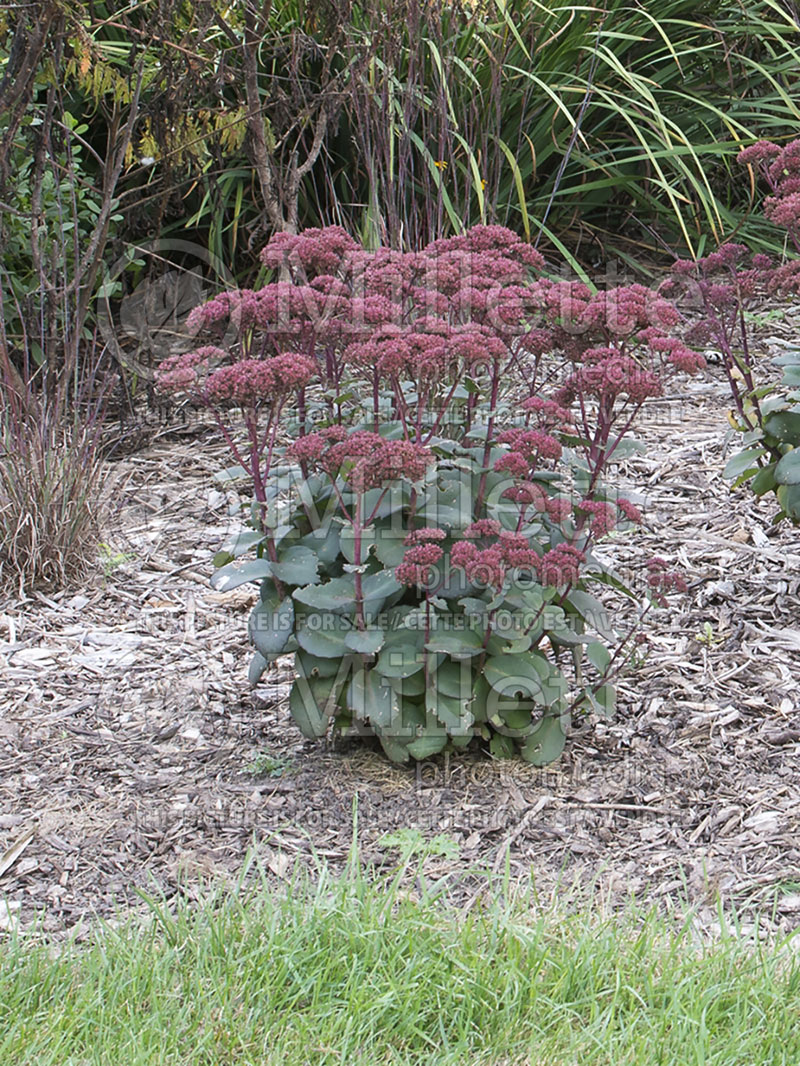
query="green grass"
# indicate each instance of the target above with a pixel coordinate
(352, 970)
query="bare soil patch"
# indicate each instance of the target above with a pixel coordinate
(132, 750)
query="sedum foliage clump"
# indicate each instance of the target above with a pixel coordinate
(431, 440)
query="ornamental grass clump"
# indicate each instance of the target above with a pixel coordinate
(430, 438)
(51, 476)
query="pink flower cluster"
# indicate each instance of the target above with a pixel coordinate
(244, 383)
(487, 566)
(366, 460)
(422, 555)
(314, 251)
(528, 448)
(183, 373)
(609, 377)
(602, 516)
(662, 580)
(549, 414)
(250, 382)
(781, 169)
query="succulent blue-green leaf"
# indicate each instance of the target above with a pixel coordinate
(787, 472)
(598, 655)
(231, 473)
(347, 543)
(546, 743)
(324, 542)
(791, 357)
(376, 588)
(365, 641)
(243, 541)
(427, 745)
(743, 461)
(517, 719)
(369, 696)
(389, 546)
(785, 425)
(478, 704)
(458, 644)
(408, 687)
(235, 574)
(308, 704)
(315, 666)
(455, 679)
(592, 611)
(524, 676)
(402, 654)
(298, 565)
(323, 634)
(451, 711)
(271, 625)
(501, 747)
(765, 480)
(604, 700)
(789, 499)
(258, 664)
(395, 748)
(338, 594)
(401, 660)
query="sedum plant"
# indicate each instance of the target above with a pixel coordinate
(431, 440)
(727, 287)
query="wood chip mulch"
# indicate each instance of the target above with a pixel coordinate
(134, 757)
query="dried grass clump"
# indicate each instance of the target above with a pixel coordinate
(51, 480)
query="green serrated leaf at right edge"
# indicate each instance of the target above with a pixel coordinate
(546, 743)
(789, 499)
(787, 472)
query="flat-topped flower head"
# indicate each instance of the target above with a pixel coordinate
(182, 374)
(561, 565)
(362, 458)
(314, 251)
(424, 535)
(417, 565)
(250, 382)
